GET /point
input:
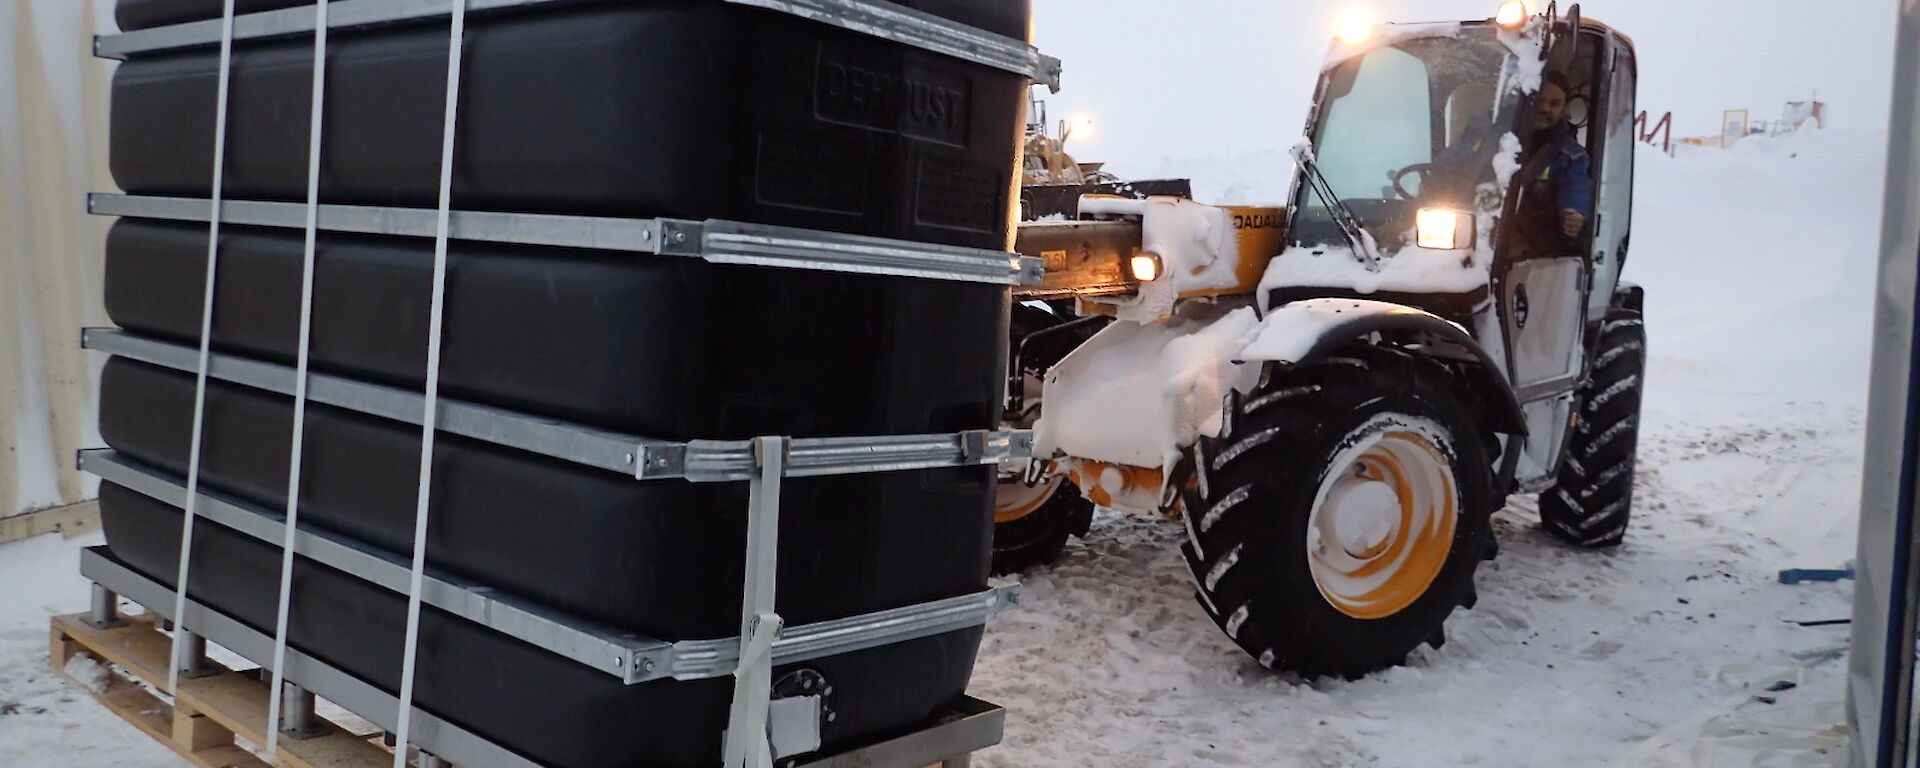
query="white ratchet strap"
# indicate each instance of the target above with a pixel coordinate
(752, 690)
(290, 533)
(429, 419)
(746, 743)
(192, 507)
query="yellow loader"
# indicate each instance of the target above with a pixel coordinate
(1334, 394)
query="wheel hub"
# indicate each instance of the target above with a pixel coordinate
(1383, 521)
(1364, 513)
(1015, 500)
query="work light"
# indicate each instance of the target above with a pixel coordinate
(1354, 26)
(1443, 229)
(1145, 267)
(1513, 12)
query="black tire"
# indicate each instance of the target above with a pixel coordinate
(1040, 537)
(1591, 498)
(1256, 485)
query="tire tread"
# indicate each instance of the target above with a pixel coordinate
(1591, 498)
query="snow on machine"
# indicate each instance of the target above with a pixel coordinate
(1334, 395)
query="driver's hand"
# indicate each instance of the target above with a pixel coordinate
(1571, 221)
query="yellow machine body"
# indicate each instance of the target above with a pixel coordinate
(1088, 259)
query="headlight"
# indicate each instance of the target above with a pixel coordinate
(1443, 229)
(1145, 267)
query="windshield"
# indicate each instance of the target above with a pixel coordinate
(1410, 124)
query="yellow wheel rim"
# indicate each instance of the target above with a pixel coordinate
(1383, 520)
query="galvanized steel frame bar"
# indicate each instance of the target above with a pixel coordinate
(714, 240)
(641, 457)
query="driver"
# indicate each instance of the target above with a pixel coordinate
(1560, 184)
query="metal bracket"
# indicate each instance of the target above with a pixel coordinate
(715, 241)
(104, 613)
(724, 460)
(194, 663)
(298, 720)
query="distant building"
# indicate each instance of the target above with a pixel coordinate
(1798, 113)
(1735, 124)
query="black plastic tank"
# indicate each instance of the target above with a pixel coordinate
(679, 108)
(662, 347)
(550, 709)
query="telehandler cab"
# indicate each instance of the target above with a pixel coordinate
(1336, 394)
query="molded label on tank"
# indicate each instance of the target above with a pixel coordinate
(816, 173)
(958, 196)
(883, 93)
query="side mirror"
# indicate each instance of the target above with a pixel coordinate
(1563, 35)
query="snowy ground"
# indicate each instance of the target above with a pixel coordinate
(1758, 268)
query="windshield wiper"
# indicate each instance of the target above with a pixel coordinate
(1364, 249)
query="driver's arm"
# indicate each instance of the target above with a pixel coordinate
(1575, 189)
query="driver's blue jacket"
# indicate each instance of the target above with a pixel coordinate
(1568, 170)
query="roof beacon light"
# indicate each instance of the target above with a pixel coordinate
(1081, 126)
(1354, 26)
(1512, 12)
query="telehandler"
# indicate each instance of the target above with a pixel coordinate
(1334, 395)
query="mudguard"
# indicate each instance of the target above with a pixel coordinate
(1307, 330)
(1123, 405)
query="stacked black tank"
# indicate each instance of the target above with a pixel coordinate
(684, 108)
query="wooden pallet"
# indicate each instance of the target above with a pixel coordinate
(71, 521)
(208, 713)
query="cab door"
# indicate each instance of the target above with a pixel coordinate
(1613, 166)
(1546, 301)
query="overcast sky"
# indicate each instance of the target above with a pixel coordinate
(1219, 77)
